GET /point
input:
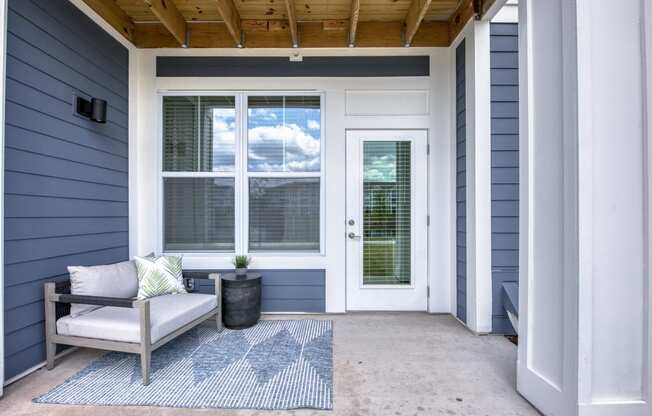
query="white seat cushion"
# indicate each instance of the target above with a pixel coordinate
(167, 313)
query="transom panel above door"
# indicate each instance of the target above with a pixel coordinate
(386, 229)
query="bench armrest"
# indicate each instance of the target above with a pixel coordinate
(94, 300)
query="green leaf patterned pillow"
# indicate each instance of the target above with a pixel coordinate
(159, 276)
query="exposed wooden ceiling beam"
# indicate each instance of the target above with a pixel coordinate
(355, 16)
(114, 16)
(171, 18)
(231, 19)
(465, 12)
(415, 15)
(292, 21)
(313, 35)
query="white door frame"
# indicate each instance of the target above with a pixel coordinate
(388, 297)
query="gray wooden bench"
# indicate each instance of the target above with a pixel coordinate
(126, 325)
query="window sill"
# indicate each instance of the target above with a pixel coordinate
(221, 261)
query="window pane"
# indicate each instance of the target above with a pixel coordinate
(284, 134)
(199, 214)
(217, 134)
(198, 134)
(387, 222)
(180, 134)
(284, 214)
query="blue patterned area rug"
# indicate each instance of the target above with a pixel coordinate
(274, 365)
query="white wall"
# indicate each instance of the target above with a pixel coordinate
(144, 175)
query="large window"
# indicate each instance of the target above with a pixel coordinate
(258, 155)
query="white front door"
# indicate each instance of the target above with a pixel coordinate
(386, 229)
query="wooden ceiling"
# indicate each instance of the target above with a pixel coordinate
(288, 23)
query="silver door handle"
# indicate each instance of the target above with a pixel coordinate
(353, 236)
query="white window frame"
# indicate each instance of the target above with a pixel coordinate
(241, 175)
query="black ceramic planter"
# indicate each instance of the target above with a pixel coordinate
(241, 300)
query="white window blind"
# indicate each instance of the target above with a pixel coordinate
(284, 214)
(199, 173)
(284, 139)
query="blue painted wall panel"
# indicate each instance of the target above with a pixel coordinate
(460, 128)
(311, 66)
(283, 290)
(504, 166)
(66, 196)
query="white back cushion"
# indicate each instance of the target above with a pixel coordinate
(119, 280)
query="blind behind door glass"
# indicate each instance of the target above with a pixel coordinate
(387, 210)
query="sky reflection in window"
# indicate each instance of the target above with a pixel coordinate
(284, 134)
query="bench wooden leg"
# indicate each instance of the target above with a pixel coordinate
(50, 351)
(50, 325)
(145, 341)
(218, 294)
(145, 365)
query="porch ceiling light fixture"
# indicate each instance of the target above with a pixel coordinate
(296, 57)
(93, 109)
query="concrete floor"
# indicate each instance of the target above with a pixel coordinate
(395, 364)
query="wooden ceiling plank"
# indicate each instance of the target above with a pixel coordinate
(415, 15)
(254, 25)
(231, 18)
(292, 21)
(355, 17)
(465, 12)
(167, 13)
(216, 35)
(335, 25)
(114, 16)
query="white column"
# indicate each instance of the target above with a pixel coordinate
(143, 169)
(585, 288)
(478, 175)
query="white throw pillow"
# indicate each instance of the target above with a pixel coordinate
(119, 280)
(159, 276)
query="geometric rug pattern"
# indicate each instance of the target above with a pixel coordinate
(274, 365)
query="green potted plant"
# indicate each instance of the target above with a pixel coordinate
(241, 263)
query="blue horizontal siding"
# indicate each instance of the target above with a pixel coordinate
(284, 290)
(66, 178)
(460, 181)
(504, 166)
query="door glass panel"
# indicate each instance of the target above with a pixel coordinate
(386, 213)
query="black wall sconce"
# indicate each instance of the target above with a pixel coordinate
(94, 109)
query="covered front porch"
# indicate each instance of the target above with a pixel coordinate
(409, 183)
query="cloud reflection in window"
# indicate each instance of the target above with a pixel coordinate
(284, 135)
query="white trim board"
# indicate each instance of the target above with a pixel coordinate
(3, 54)
(479, 297)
